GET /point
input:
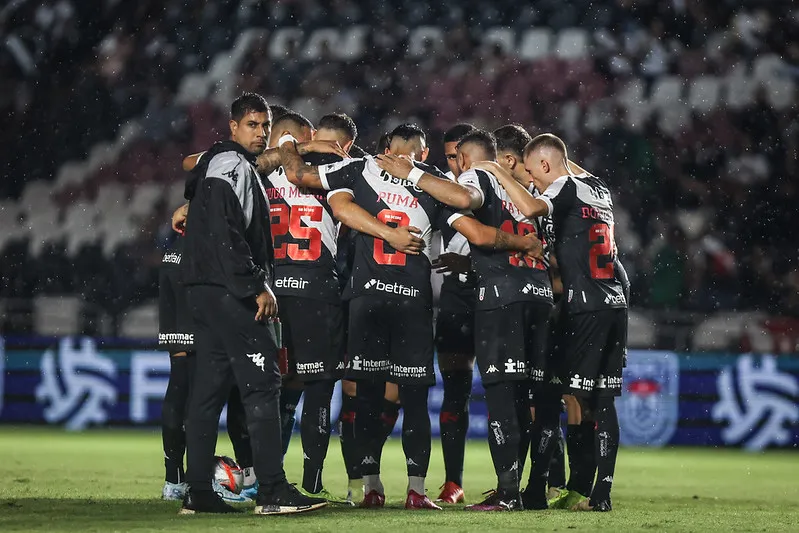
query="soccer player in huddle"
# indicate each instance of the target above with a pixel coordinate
(595, 306)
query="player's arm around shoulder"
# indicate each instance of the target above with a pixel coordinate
(529, 206)
(484, 236)
(442, 189)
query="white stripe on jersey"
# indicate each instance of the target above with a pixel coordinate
(470, 178)
(294, 197)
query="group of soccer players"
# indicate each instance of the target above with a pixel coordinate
(347, 270)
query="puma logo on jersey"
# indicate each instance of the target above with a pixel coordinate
(257, 359)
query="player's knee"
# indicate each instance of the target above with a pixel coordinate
(392, 392)
(350, 388)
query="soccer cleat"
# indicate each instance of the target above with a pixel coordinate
(174, 491)
(205, 501)
(250, 492)
(451, 492)
(327, 495)
(229, 496)
(420, 501)
(286, 499)
(554, 492)
(497, 501)
(373, 500)
(354, 491)
(585, 505)
(534, 500)
(566, 499)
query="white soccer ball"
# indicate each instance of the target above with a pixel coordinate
(229, 474)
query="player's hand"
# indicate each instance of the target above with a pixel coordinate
(323, 147)
(534, 248)
(179, 219)
(489, 166)
(452, 262)
(395, 165)
(406, 239)
(267, 306)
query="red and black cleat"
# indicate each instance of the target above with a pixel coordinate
(419, 501)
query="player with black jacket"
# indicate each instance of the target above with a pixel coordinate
(227, 267)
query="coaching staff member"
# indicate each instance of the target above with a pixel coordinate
(227, 268)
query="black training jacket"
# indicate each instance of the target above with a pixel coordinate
(228, 236)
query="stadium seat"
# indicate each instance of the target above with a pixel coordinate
(36, 196)
(704, 93)
(140, 322)
(282, 39)
(673, 118)
(767, 67)
(780, 92)
(667, 91)
(57, 315)
(115, 231)
(502, 36)
(423, 39)
(739, 90)
(144, 198)
(535, 44)
(318, 40)
(111, 198)
(174, 195)
(572, 43)
(352, 43)
(193, 88)
(81, 225)
(723, 331)
(641, 331)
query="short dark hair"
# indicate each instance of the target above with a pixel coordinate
(248, 103)
(483, 139)
(383, 142)
(293, 118)
(278, 110)
(407, 132)
(512, 138)
(339, 122)
(458, 132)
(546, 140)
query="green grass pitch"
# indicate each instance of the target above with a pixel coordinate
(110, 480)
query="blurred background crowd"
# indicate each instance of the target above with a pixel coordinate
(687, 108)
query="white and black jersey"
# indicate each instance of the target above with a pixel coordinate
(305, 235)
(228, 239)
(581, 208)
(379, 269)
(504, 278)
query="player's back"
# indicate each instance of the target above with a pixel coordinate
(305, 235)
(581, 208)
(377, 267)
(504, 277)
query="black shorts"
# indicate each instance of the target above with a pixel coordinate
(594, 348)
(313, 334)
(511, 342)
(390, 339)
(175, 326)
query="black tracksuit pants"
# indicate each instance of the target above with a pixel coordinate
(232, 347)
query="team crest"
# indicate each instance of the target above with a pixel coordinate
(648, 407)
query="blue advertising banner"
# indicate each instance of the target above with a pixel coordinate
(746, 400)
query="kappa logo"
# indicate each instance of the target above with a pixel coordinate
(369, 460)
(555, 381)
(492, 369)
(340, 365)
(257, 359)
(608, 479)
(411, 462)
